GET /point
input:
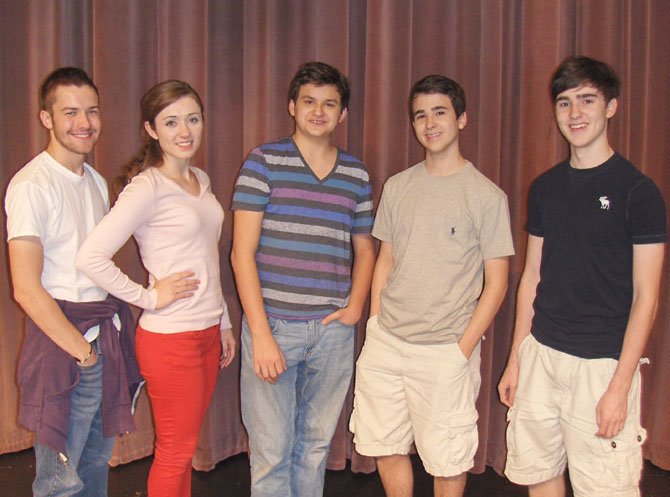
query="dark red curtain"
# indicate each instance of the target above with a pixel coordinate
(240, 57)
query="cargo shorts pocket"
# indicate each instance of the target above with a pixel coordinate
(463, 436)
(620, 459)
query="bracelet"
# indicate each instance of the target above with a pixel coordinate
(88, 356)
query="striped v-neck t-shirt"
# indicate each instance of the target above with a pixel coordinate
(304, 255)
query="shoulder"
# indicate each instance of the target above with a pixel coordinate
(482, 183)
(404, 176)
(281, 146)
(36, 172)
(352, 166)
(551, 175)
(98, 178)
(202, 176)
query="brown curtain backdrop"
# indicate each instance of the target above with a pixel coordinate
(240, 56)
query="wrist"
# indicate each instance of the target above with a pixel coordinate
(87, 358)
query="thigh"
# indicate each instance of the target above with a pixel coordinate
(268, 410)
(180, 371)
(442, 386)
(601, 466)
(324, 376)
(535, 447)
(380, 418)
(86, 403)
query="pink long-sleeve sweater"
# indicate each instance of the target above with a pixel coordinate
(175, 231)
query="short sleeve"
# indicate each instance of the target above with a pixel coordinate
(495, 237)
(364, 209)
(646, 214)
(383, 220)
(534, 222)
(28, 207)
(252, 189)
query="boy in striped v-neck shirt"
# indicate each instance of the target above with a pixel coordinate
(303, 212)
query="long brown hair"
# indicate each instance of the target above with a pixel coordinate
(152, 103)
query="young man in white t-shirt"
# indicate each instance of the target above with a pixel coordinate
(52, 204)
(439, 280)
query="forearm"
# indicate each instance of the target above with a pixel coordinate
(493, 294)
(382, 270)
(250, 293)
(637, 333)
(48, 316)
(647, 267)
(361, 276)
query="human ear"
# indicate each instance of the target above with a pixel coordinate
(612, 107)
(45, 118)
(150, 130)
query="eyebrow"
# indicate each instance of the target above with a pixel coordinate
(438, 107)
(579, 96)
(334, 100)
(175, 116)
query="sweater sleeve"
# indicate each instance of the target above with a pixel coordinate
(133, 208)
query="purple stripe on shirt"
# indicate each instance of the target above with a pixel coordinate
(315, 196)
(300, 264)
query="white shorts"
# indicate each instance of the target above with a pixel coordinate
(421, 393)
(553, 420)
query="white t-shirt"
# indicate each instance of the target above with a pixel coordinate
(175, 232)
(47, 200)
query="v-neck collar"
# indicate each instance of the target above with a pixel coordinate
(309, 168)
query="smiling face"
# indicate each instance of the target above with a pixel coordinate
(435, 123)
(73, 124)
(178, 129)
(582, 114)
(317, 111)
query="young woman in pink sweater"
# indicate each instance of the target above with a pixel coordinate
(184, 333)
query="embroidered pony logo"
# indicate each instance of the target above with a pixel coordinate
(604, 203)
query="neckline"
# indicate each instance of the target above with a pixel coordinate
(178, 186)
(309, 168)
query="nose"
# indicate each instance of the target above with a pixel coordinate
(184, 129)
(574, 111)
(430, 121)
(318, 109)
(83, 121)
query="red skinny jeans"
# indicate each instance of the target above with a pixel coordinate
(181, 370)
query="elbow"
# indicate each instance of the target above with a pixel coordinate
(235, 260)
(24, 296)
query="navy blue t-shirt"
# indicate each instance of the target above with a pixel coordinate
(589, 220)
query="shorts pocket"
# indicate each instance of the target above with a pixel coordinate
(621, 460)
(463, 436)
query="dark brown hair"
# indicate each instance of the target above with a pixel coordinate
(153, 102)
(577, 70)
(319, 74)
(63, 76)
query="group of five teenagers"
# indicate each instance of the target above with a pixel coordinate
(303, 259)
(184, 333)
(440, 277)
(73, 403)
(303, 211)
(585, 305)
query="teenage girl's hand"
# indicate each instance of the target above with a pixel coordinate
(227, 348)
(176, 286)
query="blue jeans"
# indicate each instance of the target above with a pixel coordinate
(291, 423)
(83, 469)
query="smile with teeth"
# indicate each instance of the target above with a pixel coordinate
(577, 126)
(185, 144)
(82, 134)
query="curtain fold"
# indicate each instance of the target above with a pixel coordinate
(240, 57)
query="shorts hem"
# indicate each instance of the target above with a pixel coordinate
(522, 478)
(449, 471)
(382, 450)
